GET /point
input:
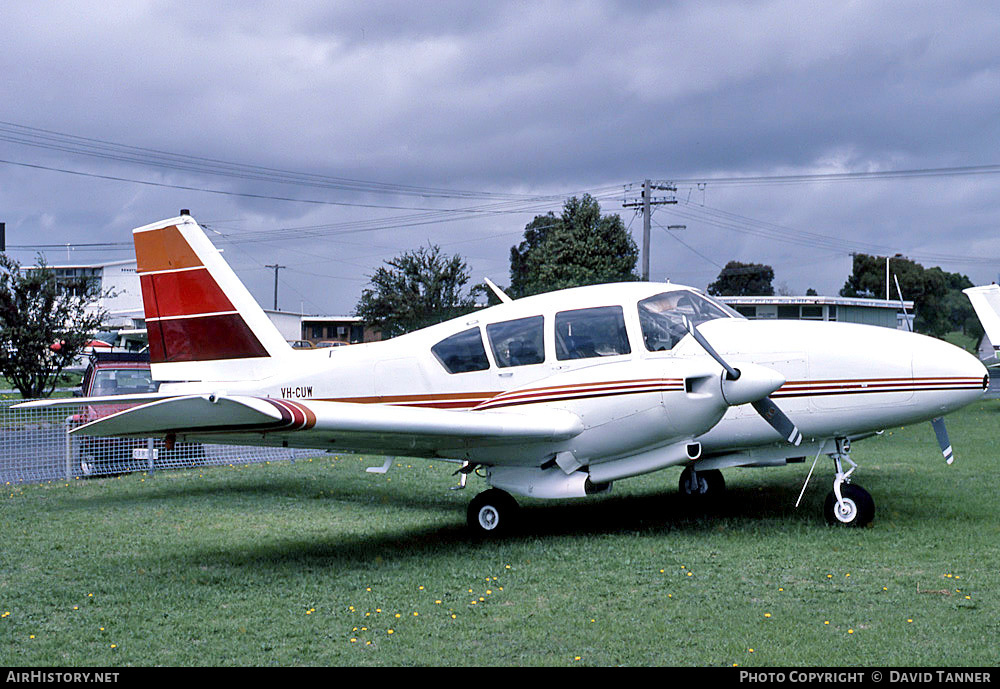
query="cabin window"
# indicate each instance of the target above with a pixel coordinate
(586, 333)
(518, 342)
(661, 317)
(462, 352)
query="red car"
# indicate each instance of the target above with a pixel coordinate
(122, 373)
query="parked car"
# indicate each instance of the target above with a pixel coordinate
(331, 343)
(300, 344)
(123, 373)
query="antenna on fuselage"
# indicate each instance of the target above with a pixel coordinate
(501, 295)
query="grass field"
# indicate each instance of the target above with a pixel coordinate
(319, 563)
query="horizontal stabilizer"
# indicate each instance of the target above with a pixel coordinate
(313, 423)
(191, 413)
(118, 400)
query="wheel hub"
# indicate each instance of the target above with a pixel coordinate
(489, 517)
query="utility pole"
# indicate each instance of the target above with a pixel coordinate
(647, 202)
(276, 268)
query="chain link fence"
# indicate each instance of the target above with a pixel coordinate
(36, 445)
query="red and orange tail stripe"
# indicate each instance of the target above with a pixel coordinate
(188, 316)
(294, 415)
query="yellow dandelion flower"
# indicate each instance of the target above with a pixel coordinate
(391, 631)
(767, 614)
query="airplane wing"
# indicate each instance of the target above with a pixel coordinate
(986, 302)
(412, 431)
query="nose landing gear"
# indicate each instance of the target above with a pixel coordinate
(847, 504)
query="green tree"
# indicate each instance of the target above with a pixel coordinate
(414, 290)
(44, 325)
(937, 295)
(579, 247)
(743, 280)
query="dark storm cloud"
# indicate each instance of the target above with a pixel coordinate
(534, 98)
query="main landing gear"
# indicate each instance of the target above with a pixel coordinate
(708, 483)
(847, 504)
(493, 513)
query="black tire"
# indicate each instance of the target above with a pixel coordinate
(859, 508)
(493, 513)
(710, 484)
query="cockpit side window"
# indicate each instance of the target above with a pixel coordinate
(518, 342)
(661, 317)
(585, 333)
(462, 352)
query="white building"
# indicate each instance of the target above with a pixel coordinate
(117, 282)
(889, 314)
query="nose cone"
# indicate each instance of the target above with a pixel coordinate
(959, 377)
(755, 383)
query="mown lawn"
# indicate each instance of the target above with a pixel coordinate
(319, 563)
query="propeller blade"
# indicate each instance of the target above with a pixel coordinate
(765, 406)
(942, 437)
(733, 373)
(770, 412)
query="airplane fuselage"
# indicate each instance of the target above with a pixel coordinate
(635, 386)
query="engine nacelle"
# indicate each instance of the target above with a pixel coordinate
(544, 483)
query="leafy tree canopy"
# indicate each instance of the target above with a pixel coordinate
(44, 325)
(414, 290)
(937, 295)
(579, 247)
(743, 280)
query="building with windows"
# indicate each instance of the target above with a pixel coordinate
(888, 314)
(117, 282)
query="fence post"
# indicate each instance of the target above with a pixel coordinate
(149, 451)
(69, 447)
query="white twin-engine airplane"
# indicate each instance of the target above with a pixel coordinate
(552, 396)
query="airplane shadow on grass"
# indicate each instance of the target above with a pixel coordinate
(652, 513)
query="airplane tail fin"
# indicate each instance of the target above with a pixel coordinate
(986, 302)
(201, 321)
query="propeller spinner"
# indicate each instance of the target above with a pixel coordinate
(764, 405)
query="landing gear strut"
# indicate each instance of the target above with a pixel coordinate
(708, 483)
(847, 504)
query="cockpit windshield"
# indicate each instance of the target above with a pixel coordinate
(661, 317)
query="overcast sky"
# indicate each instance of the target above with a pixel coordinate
(327, 137)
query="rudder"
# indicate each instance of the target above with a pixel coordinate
(201, 321)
